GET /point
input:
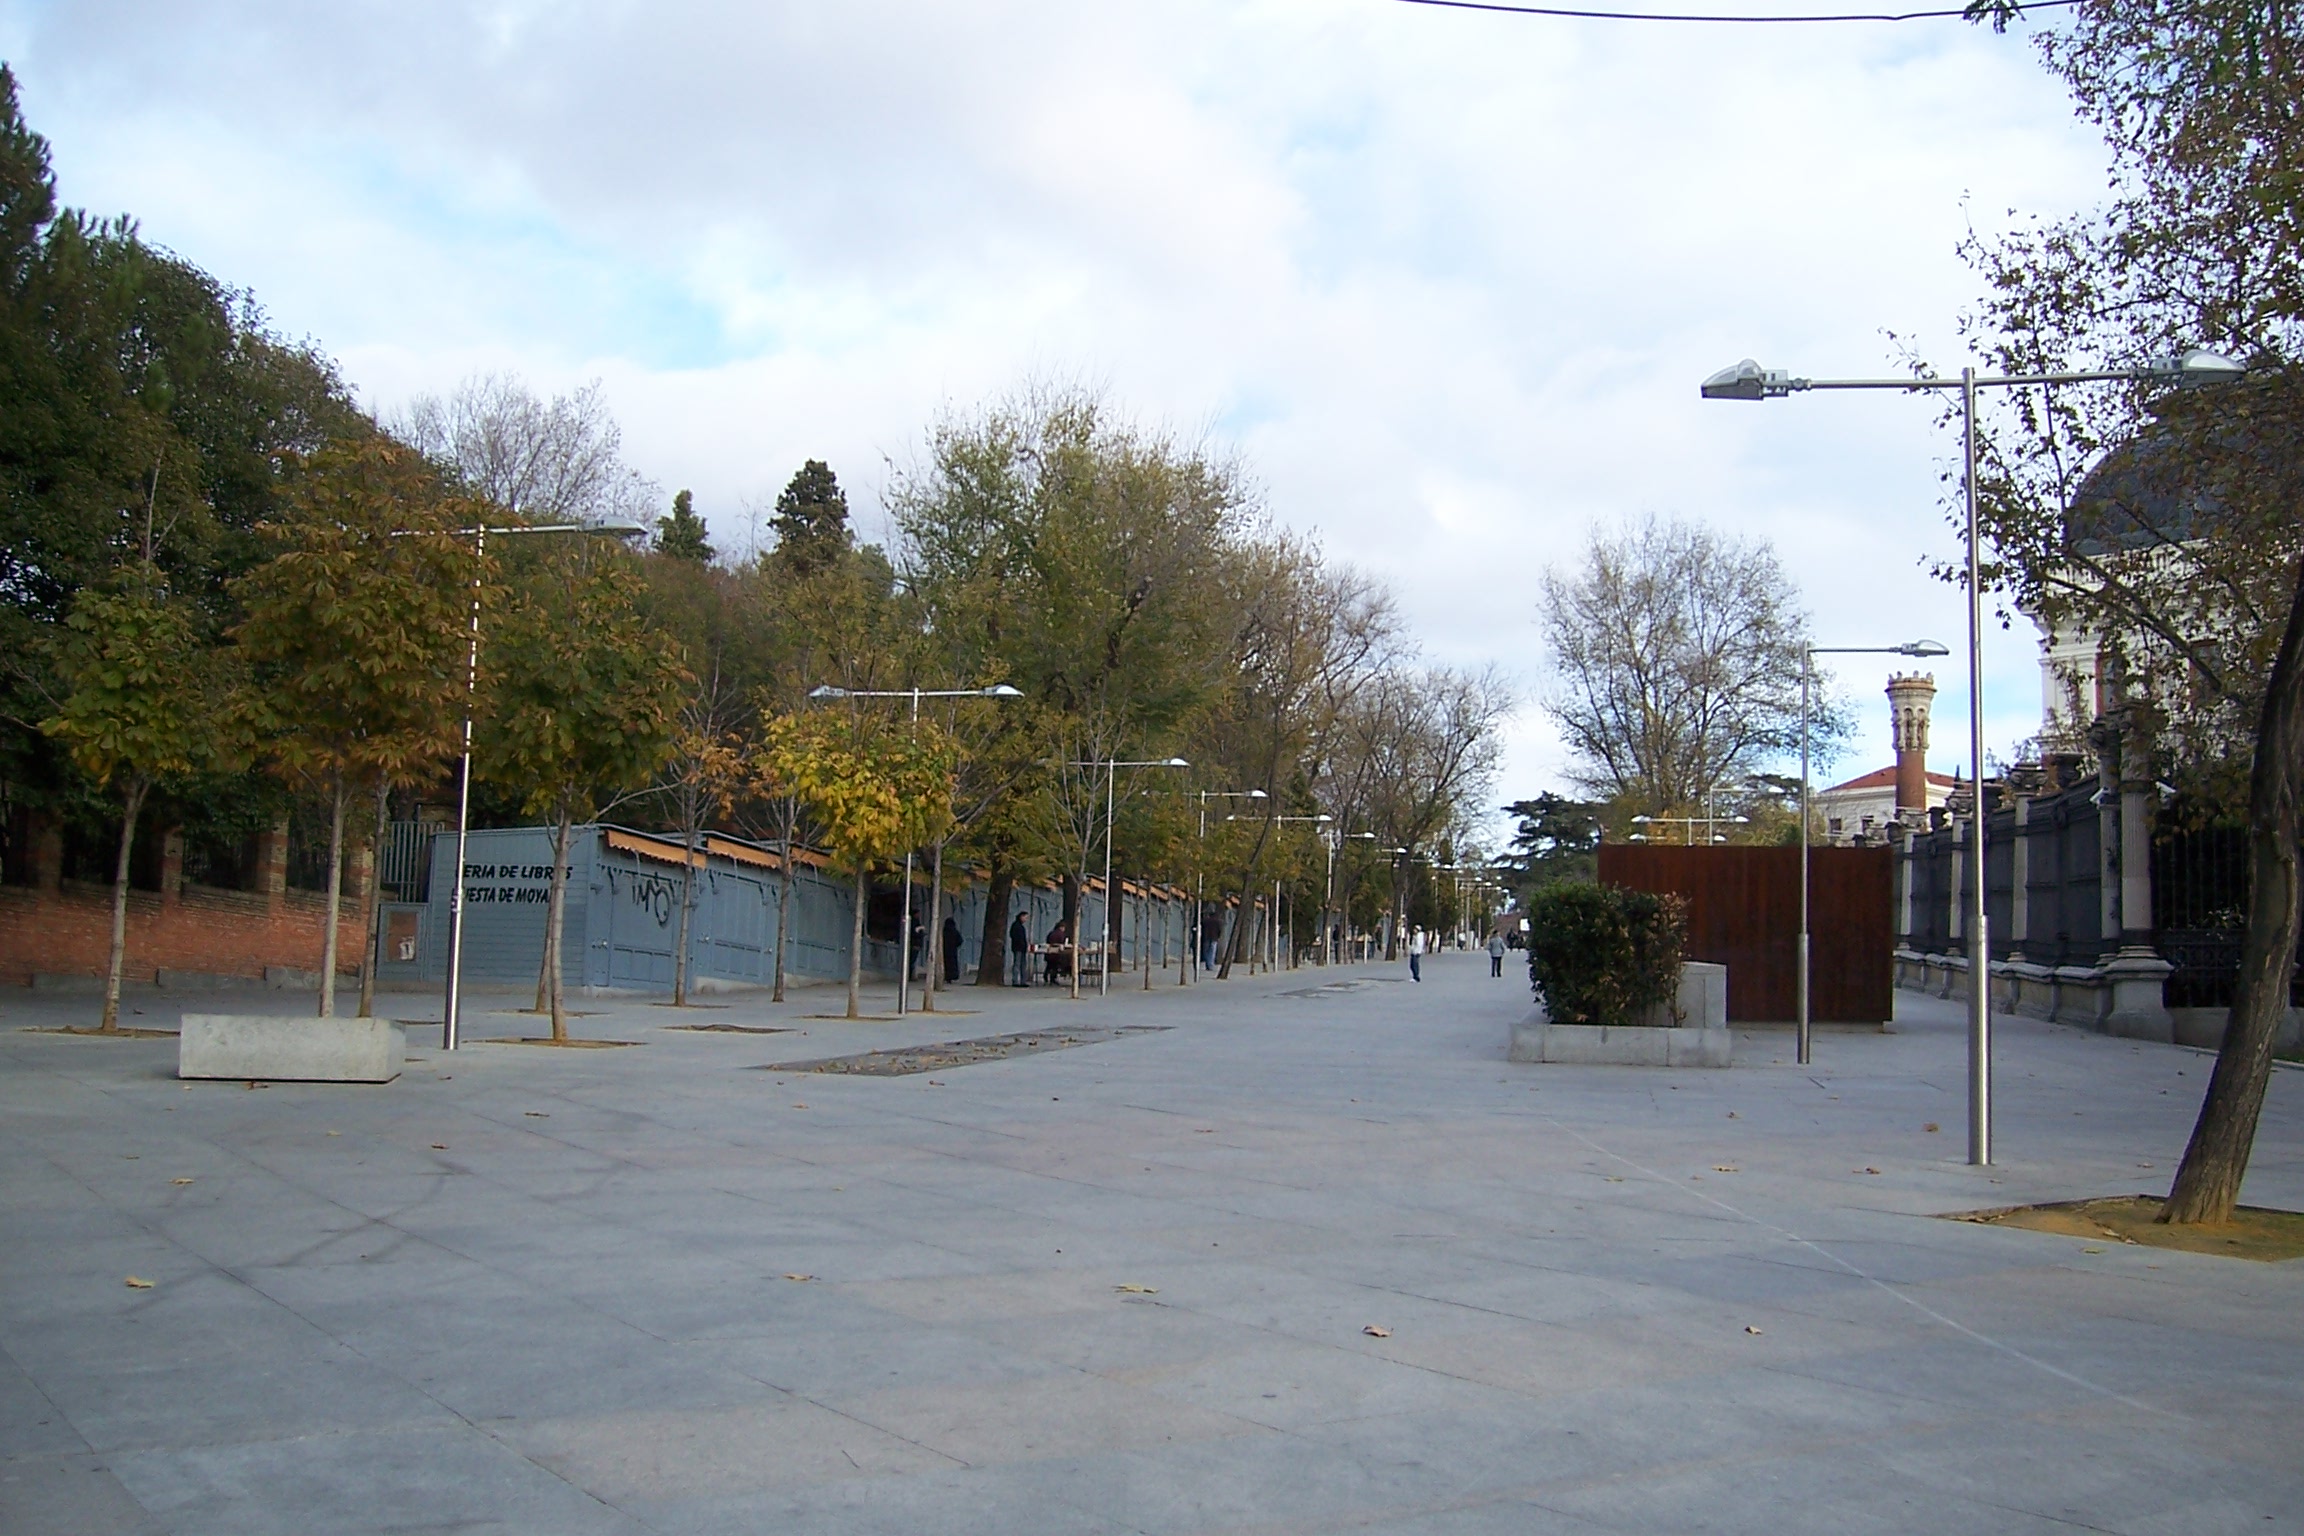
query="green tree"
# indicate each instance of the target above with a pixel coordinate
(581, 709)
(146, 417)
(354, 634)
(145, 698)
(811, 521)
(875, 787)
(681, 536)
(1556, 840)
(2166, 524)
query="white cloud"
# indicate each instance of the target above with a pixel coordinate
(1449, 278)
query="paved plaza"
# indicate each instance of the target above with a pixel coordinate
(1296, 1253)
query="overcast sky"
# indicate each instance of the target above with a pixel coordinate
(1447, 280)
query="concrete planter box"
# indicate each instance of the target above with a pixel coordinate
(1692, 1033)
(263, 1048)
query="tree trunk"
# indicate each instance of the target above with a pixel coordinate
(133, 799)
(2208, 1180)
(1115, 923)
(998, 891)
(783, 918)
(856, 943)
(373, 955)
(335, 904)
(1073, 884)
(933, 972)
(680, 937)
(1248, 883)
(552, 928)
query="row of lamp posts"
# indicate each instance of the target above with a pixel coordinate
(1747, 380)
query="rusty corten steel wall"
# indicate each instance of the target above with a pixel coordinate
(1744, 913)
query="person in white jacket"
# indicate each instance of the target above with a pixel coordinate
(1496, 953)
(1416, 955)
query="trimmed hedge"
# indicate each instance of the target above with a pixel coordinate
(1600, 954)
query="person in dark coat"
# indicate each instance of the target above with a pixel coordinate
(1019, 953)
(951, 950)
(1060, 951)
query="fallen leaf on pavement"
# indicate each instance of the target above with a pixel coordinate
(799, 1277)
(1748, 1328)
(179, 1181)
(1375, 1331)
(135, 1284)
(1137, 1290)
(536, 1114)
(1725, 1168)
(1930, 1126)
(441, 1146)
(1871, 1170)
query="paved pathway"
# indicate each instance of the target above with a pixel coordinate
(1312, 1258)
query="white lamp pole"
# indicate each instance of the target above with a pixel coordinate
(1200, 871)
(1747, 380)
(452, 1009)
(1104, 937)
(904, 917)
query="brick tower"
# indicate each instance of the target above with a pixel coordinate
(1909, 699)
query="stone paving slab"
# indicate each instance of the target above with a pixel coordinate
(1123, 1287)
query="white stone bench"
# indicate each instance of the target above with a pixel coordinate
(268, 1048)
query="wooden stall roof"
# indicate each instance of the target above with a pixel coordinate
(665, 851)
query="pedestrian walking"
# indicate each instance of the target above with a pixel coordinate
(1496, 953)
(951, 950)
(1019, 953)
(1416, 955)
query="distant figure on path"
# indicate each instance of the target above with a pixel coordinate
(1211, 934)
(1416, 955)
(951, 950)
(1496, 953)
(1019, 953)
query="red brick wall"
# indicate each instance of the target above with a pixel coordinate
(225, 933)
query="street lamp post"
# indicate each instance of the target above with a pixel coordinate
(904, 917)
(1200, 869)
(452, 1008)
(1807, 674)
(1328, 925)
(1104, 939)
(1323, 819)
(1747, 380)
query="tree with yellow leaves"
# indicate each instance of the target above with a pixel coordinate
(876, 788)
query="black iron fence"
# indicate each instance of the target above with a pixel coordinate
(2070, 848)
(2199, 909)
(2062, 842)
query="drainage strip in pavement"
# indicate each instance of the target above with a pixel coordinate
(904, 1061)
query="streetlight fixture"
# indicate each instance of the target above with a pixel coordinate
(1691, 823)
(1200, 870)
(1104, 940)
(452, 1009)
(1747, 380)
(1807, 673)
(1322, 819)
(1335, 838)
(824, 691)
